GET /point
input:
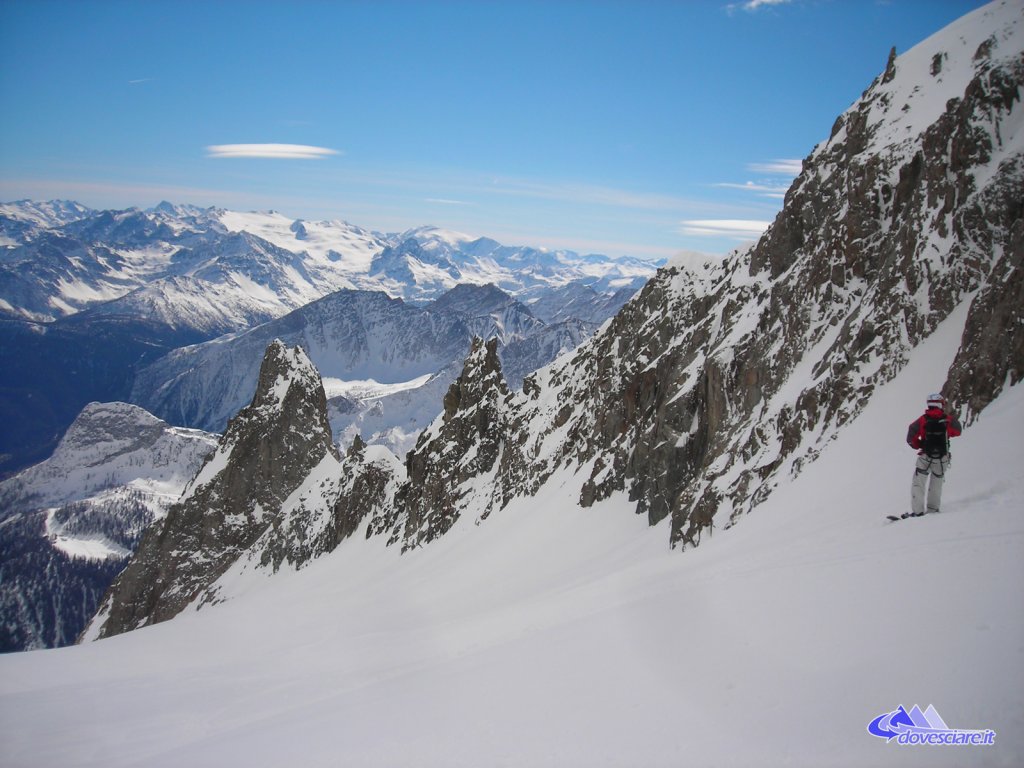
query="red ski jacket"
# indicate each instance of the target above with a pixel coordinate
(915, 433)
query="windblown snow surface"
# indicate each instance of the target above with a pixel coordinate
(550, 635)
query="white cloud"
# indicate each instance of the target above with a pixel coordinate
(769, 188)
(589, 194)
(783, 167)
(275, 151)
(445, 201)
(755, 5)
(739, 229)
(775, 191)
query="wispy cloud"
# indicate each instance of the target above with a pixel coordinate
(274, 151)
(783, 167)
(589, 194)
(774, 191)
(755, 5)
(443, 201)
(770, 188)
(124, 194)
(738, 229)
(140, 81)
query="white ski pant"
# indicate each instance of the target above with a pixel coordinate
(930, 473)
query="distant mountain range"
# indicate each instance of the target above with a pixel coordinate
(172, 309)
(900, 243)
(89, 299)
(214, 270)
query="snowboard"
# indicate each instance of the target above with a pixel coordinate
(904, 516)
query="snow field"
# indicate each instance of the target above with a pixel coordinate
(550, 635)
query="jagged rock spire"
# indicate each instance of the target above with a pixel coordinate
(268, 450)
(463, 443)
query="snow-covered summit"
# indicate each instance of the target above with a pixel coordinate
(918, 85)
(39, 215)
(68, 524)
(61, 259)
(111, 445)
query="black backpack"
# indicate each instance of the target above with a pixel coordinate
(935, 442)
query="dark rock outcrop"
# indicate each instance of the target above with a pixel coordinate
(464, 443)
(269, 449)
(719, 381)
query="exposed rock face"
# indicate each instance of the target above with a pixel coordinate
(743, 379)
(719, 380)
(269, 449)
(991, 355)
(370, 479)
(462, 444)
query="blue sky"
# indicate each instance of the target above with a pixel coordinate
(639, 128)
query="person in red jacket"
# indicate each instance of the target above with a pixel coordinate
(929, 435)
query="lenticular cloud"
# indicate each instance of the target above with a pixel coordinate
(278, 151)
(735, 228)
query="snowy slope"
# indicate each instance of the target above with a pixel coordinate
(69, 523)
(331, 246)
(608, 650)
(111, 446)
(25, 219)
(551, 634)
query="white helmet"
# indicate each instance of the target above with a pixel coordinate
(936, 400)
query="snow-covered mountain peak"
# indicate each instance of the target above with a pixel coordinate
(284, 368)
(111, 445)
(23, 221)
(68, 523)
(111, 427)
(430, 236)
(45, 214)
(336, 246)
(920, 85)
(248, 268)
(179, 210)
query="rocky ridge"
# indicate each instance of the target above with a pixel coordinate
(269, 449)
(360, 335)
(722, 379)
